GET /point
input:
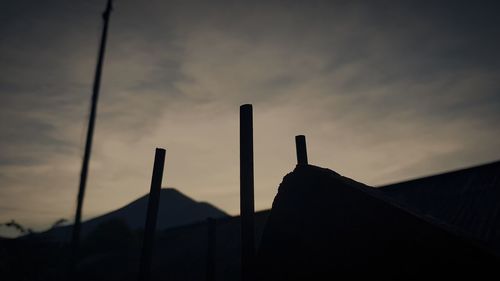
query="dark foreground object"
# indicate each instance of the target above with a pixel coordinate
(379, 240)
(466, 199)
(247, 207)
(325, 226)
(151, 216)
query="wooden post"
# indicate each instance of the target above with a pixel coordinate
(211, 243)
(247, 208)
(300, 145)
(152, 213)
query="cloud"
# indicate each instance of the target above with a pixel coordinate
(383, 92)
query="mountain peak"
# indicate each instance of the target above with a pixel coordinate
(176, 209)
(165, 190)
(173, 193)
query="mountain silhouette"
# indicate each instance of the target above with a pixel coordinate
(176, 209)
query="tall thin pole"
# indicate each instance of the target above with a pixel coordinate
(151, 216)
(90, 131)
(247, 207)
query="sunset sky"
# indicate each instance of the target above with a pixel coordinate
(384, 91)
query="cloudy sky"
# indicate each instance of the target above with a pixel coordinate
(384, 92)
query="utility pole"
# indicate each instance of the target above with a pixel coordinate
(75, 239)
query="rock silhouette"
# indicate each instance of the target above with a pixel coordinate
(323, 224)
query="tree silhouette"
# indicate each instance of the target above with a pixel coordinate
(16, 226)
(58, 223)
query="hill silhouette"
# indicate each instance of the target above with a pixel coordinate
(176, 209)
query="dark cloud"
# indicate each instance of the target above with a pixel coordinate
(385, 91)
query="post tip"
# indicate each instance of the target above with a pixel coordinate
(246, 106)
(300, 144)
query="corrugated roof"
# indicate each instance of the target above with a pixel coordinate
(467, 199)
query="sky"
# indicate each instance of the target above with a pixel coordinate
(384, 91)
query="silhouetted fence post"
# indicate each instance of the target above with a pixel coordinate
(152, 213)
(247, 208)
(211, 243)
(300, 145)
